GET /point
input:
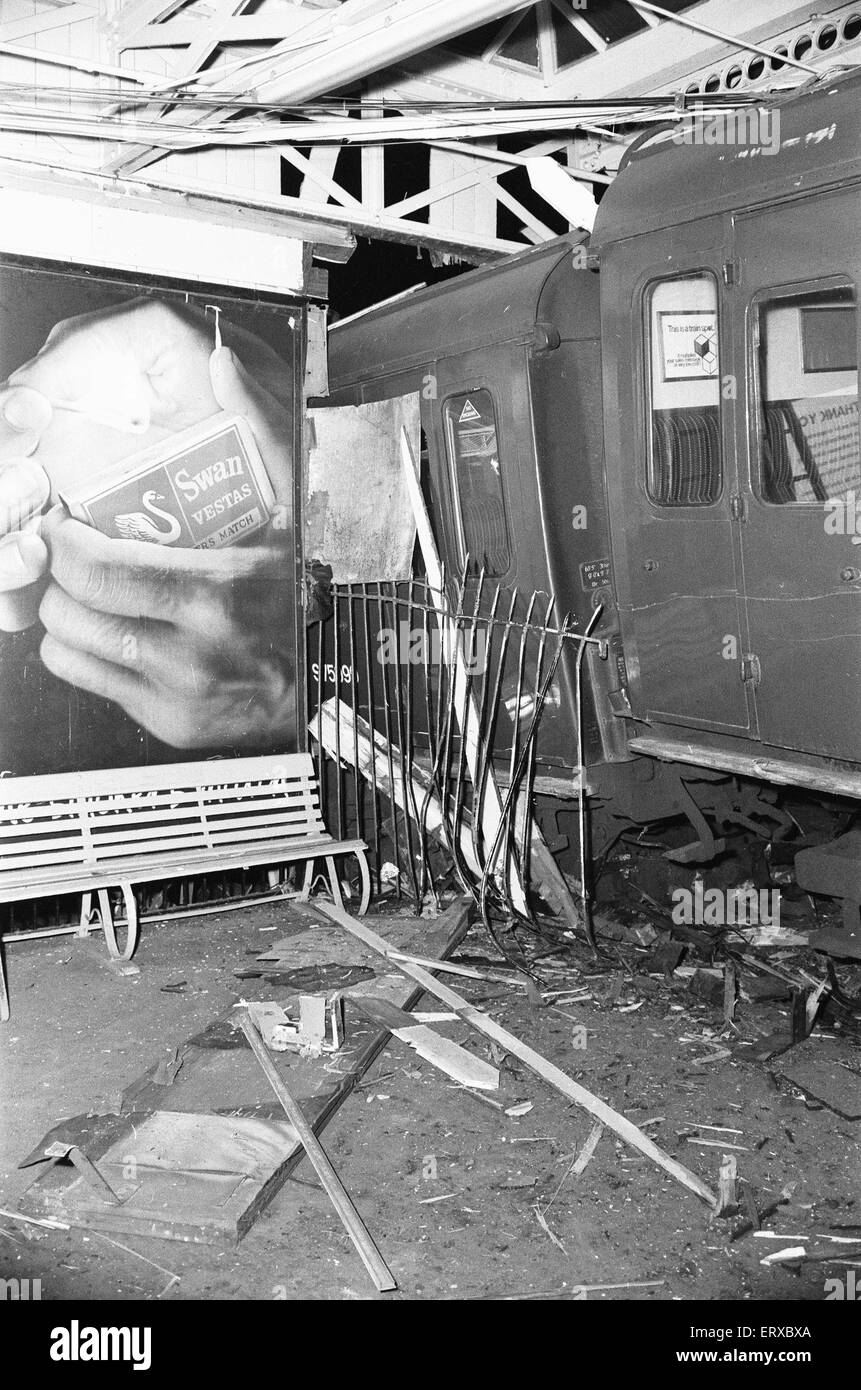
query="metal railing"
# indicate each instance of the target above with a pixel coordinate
(425, 714)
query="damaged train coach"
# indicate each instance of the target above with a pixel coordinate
(663, 423)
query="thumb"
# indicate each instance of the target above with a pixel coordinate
(23, 559)
(25, 414)
(238, 393)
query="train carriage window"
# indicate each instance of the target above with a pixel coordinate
(473, 450)
(807, 373)
(684, 455)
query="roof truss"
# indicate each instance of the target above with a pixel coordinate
(213, 81)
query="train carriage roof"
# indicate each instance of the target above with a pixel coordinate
(498, 303)
(666, 182)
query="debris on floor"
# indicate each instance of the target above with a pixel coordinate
(771, 1029)
(820, 1071)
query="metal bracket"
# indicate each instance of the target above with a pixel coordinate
(87, 1169)
(731, 273)
(751, 671)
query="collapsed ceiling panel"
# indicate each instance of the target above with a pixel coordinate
(223, 97)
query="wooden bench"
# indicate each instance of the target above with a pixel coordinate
(90, 832)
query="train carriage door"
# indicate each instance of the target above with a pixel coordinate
(670, 481)
(801, 500)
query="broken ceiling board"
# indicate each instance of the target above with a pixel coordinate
(359, 516)
(816, 1068)
(181, 1176)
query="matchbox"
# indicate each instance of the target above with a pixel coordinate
(203, 488)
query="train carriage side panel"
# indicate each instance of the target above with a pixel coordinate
(513, 350)
(567, 405)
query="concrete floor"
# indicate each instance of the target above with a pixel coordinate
(447, 1184)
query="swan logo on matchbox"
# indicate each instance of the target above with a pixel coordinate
(203, 488)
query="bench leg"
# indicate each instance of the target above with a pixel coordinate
(132, 921)
(4, 989)
(86, 915)
(307, 880)
(366, 881)
(334, 882)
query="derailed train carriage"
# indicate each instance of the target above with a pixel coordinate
(664, 424)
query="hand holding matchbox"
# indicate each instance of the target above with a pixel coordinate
(146, 483)
(140, 430)
(203, 488)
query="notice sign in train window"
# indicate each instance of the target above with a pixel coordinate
(810, 446)
(828, 338)
(473, 449)
(689, 344)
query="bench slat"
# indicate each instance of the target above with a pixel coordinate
(130, 825)
(154, 845)
(131, 819)
(12, 862)
(146, 847)
(56, 826)
(165, 777)
(25, 816)
(28, 817)
(117, 871)
(238, 819)
(302, 786)
(182, 834)
(266, 833)
(278, 806)
(273, 803)
(118, 835)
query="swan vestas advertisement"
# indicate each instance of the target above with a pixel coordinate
(147, 546)
(186, 474)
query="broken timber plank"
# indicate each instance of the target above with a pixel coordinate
(434, 1047)
(532, 1059)
(451, 928)
(335, 1190)
(373, 763)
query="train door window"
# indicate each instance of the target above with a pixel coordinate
(473, 450)
(684, 455)
(807, 377)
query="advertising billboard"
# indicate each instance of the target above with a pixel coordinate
(148, 436)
